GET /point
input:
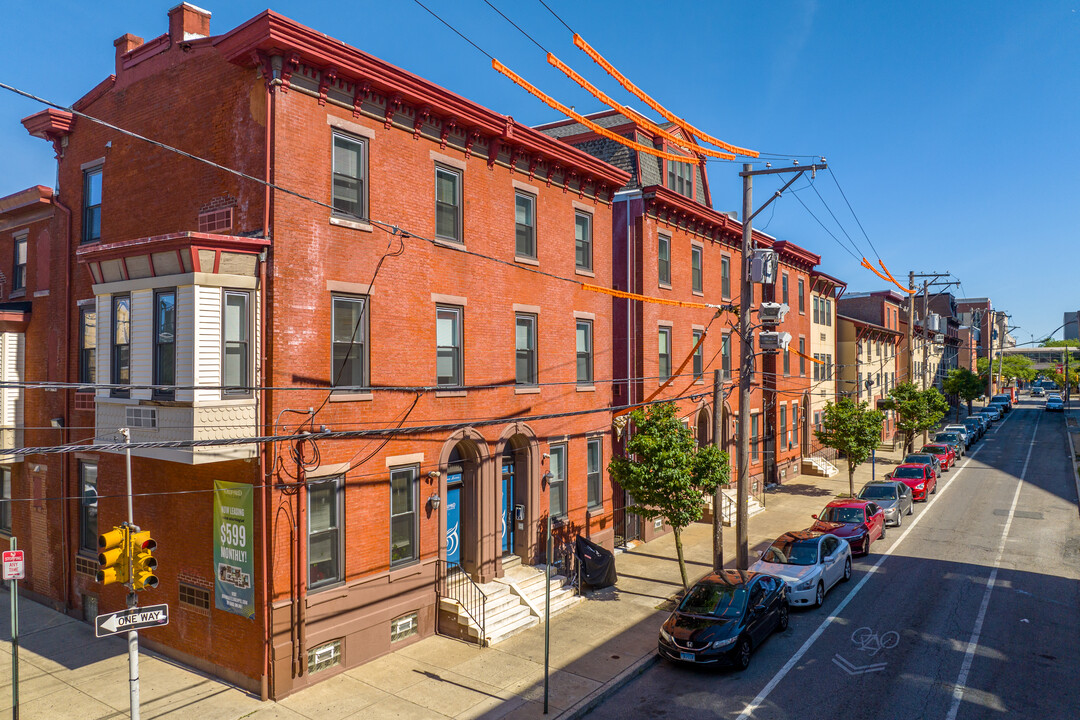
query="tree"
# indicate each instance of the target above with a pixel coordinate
(1013, 367)
(1050, 342)
(853, 430)
(916, 410)
(964, 384)
(667, 476)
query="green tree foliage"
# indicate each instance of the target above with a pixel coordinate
(916, 410)
(1013, 367)
(853, 430)
(667, 476)
(964, 384)
(1050, 342)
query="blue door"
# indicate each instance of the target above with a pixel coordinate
(508, 504)
(453, 518)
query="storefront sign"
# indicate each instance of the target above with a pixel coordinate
(234, 548)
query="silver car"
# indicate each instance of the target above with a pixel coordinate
(893, 497)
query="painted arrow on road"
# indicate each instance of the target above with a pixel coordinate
(133, 619)
(851, 669)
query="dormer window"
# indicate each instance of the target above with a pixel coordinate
(681, 178)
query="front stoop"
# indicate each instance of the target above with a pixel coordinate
(819, 467)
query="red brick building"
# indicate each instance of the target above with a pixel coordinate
(398, 273)
(869, 343)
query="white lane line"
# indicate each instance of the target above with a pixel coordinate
(754, 704)
(973, 643)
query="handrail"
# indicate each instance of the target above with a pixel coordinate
(453, 583)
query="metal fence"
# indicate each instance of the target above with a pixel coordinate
(453, 583)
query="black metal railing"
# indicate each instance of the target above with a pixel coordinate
(453, 583)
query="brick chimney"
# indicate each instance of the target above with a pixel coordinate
(187, 22)
(125, 44)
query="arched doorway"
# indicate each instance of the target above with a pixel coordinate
(465, 458)
(704, 434)
(517, 498)
(805, 425)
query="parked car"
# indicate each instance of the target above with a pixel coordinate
(963, 431)
(723, 617)
(860, 522)
(920, 479)
(977, 424)
(1002, 399)
(993, 411)
(925, 459)
(1054, 403)
(955, 439)
(1037, 391)
(892, 496)
(810, 563)
(944, 453)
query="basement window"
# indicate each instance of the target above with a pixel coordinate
(324, 657)
(403, 627)
(193, 596)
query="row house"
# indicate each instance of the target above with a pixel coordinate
(401, 292)
(825, 292)
(869, 344)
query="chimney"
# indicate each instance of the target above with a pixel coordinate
(125, 44)
(187, 22)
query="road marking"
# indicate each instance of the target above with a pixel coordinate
(754, 704)
(973, 643)
(851, 669)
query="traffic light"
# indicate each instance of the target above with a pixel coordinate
(113, 559)
(143, 562)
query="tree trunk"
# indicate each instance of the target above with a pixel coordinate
(969, 407)
(957, 409)
(682, 562)
(851, 478)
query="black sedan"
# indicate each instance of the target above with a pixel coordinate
(723, 618)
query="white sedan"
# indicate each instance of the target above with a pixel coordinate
(809, 563)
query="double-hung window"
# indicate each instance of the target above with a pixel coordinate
(557, 484)
(754, 438)
(524, 225)
(324, 532)
(584, 352)
(664, 353)
(802, 357)
(828, 312)
(87, 346)
(88, 507)
(91, 229)
(699, 355)
(350, 176)
(725, 278)
(235, 333)
(583, 255)
(802, 296)
(525, 349)
(164, 343)
(448, 365)
(349, 341)
(447, 203)
(794, 425)
(784, 289)
(5, 500)
(725, 356)
(783, 428)
(681, 178)
(403, 525)
(663, 259)
(594, 451)
(18, 280)
(696, 283)
(121, 344)
(817, 312)
(787, 362)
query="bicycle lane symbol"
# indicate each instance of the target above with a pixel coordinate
(867, 641)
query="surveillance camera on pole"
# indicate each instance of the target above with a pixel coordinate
(763, 264)
(772, 313)
(770, 341)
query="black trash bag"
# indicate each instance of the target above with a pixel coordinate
(597, 564)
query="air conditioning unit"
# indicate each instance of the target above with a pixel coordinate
(763, 266)
(773, 341)
(772, 313)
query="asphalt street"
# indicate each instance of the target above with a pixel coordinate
(971, 609)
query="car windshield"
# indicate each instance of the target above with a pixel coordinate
(903, 473)
(841, 515)
(920, 459)
(1000, 398)
(792, 552)
(947, 437)
(714, 600)
(936, 450)
(878, 492)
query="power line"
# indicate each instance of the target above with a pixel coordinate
(844, 247)
(534, 41)
(436, 16)
(557, 16)
(832, 173)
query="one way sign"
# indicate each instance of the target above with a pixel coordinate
(132, 619)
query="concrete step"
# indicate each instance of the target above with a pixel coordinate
(510, 561)
(505, 631)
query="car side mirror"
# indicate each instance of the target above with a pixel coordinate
(814, 516)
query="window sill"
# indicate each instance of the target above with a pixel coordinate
(700, 381)
(449, 243)
(595, 511)
(350, 397)
(664, 286)
(450, 393)
(583, 271)
(320, 595)
(526, 391)
(526, 260)
(405, 571)
(586, 388)
(21, 292)
(354, 224)
(699, 293)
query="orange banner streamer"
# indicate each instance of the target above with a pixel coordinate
(889, 278)
(677, 373)
(670, 116)
(632, 114)
(804, 355)
(603, 132)
(645, 298)
(897, 284)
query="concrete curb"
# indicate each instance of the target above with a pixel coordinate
(589, 702)
(1075, 464)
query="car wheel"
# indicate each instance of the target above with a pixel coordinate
(882, 532)
(934, 489)
(819, 596)
(742, 654)
(911, 507)
(847, 569)
(899, 518)
(782, 624)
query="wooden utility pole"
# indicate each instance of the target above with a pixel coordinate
(718, 496)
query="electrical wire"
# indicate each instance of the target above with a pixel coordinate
(436, 16)
(504, 17)
(832, 173)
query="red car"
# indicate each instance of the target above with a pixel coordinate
(920, 478)
(860, 522)
(945, 454)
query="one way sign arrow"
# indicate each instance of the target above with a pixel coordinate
(131, 619)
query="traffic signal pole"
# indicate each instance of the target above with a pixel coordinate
(132, 597)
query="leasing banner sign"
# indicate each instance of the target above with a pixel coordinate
(234, 548)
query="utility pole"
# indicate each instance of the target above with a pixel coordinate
(911, 329)
(718, 495)
(925, 333)
(746, 348)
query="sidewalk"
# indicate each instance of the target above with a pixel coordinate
(596, 647)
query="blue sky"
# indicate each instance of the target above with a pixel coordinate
(951, 127)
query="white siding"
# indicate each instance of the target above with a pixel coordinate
(12, 363)
(207, 342)
(142, 338)
(185, 340)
